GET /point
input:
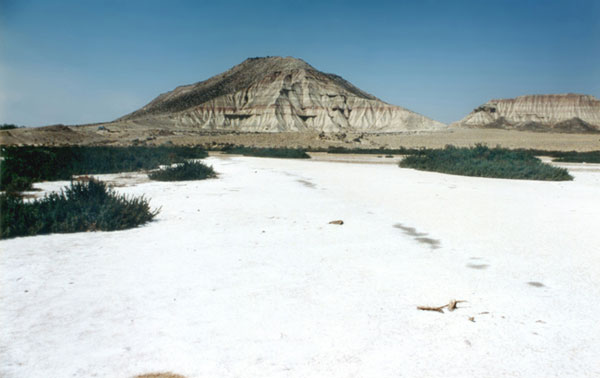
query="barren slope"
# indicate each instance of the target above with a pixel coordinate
(556, 112)
(277, 94)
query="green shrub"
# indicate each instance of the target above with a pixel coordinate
(374, 151)
(31, 164)
(287, 153)
(86, 206)
(566, 156)
(17, 184)
(482, 161)
(579, 157)
(184, 172)
(8, 126)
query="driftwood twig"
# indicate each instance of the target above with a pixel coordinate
(451, 306)
(428, 308)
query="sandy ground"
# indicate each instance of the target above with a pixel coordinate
(129, 133)
(242, 276)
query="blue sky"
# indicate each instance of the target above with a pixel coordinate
(83, 61)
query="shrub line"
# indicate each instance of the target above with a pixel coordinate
(482, 161)
(187, 171)
(84, 206)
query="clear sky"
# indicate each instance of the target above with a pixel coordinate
(82, 61)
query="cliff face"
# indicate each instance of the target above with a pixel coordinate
(278, 94)
(556, 112)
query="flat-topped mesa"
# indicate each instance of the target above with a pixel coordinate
(554, 112)
(277, 94)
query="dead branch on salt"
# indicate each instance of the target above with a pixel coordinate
(451, 306)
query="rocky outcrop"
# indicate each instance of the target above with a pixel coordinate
(557, 112)
(276, 94)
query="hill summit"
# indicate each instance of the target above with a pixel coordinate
(277, 94)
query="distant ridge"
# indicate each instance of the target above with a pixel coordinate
(277, 94)
(573, 113)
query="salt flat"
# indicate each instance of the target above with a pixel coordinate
(242, 276)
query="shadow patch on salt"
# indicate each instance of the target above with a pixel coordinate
(418, 236)
(433, 243)
(410, 231)
(535, 284)
(478, 266)
(307, 183)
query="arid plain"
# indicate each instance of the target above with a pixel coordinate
(243, 275)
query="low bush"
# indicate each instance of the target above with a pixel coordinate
(22, 166)
(374, 151)
(8, 126)
(482, 161)
(288, 153)
(184, 172)
(85, 206)
(579, 157)
(17, 184)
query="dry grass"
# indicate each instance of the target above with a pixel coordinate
(125, 133)
(159, 375)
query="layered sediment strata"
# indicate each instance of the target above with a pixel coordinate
(276, 94)
(555, 112)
